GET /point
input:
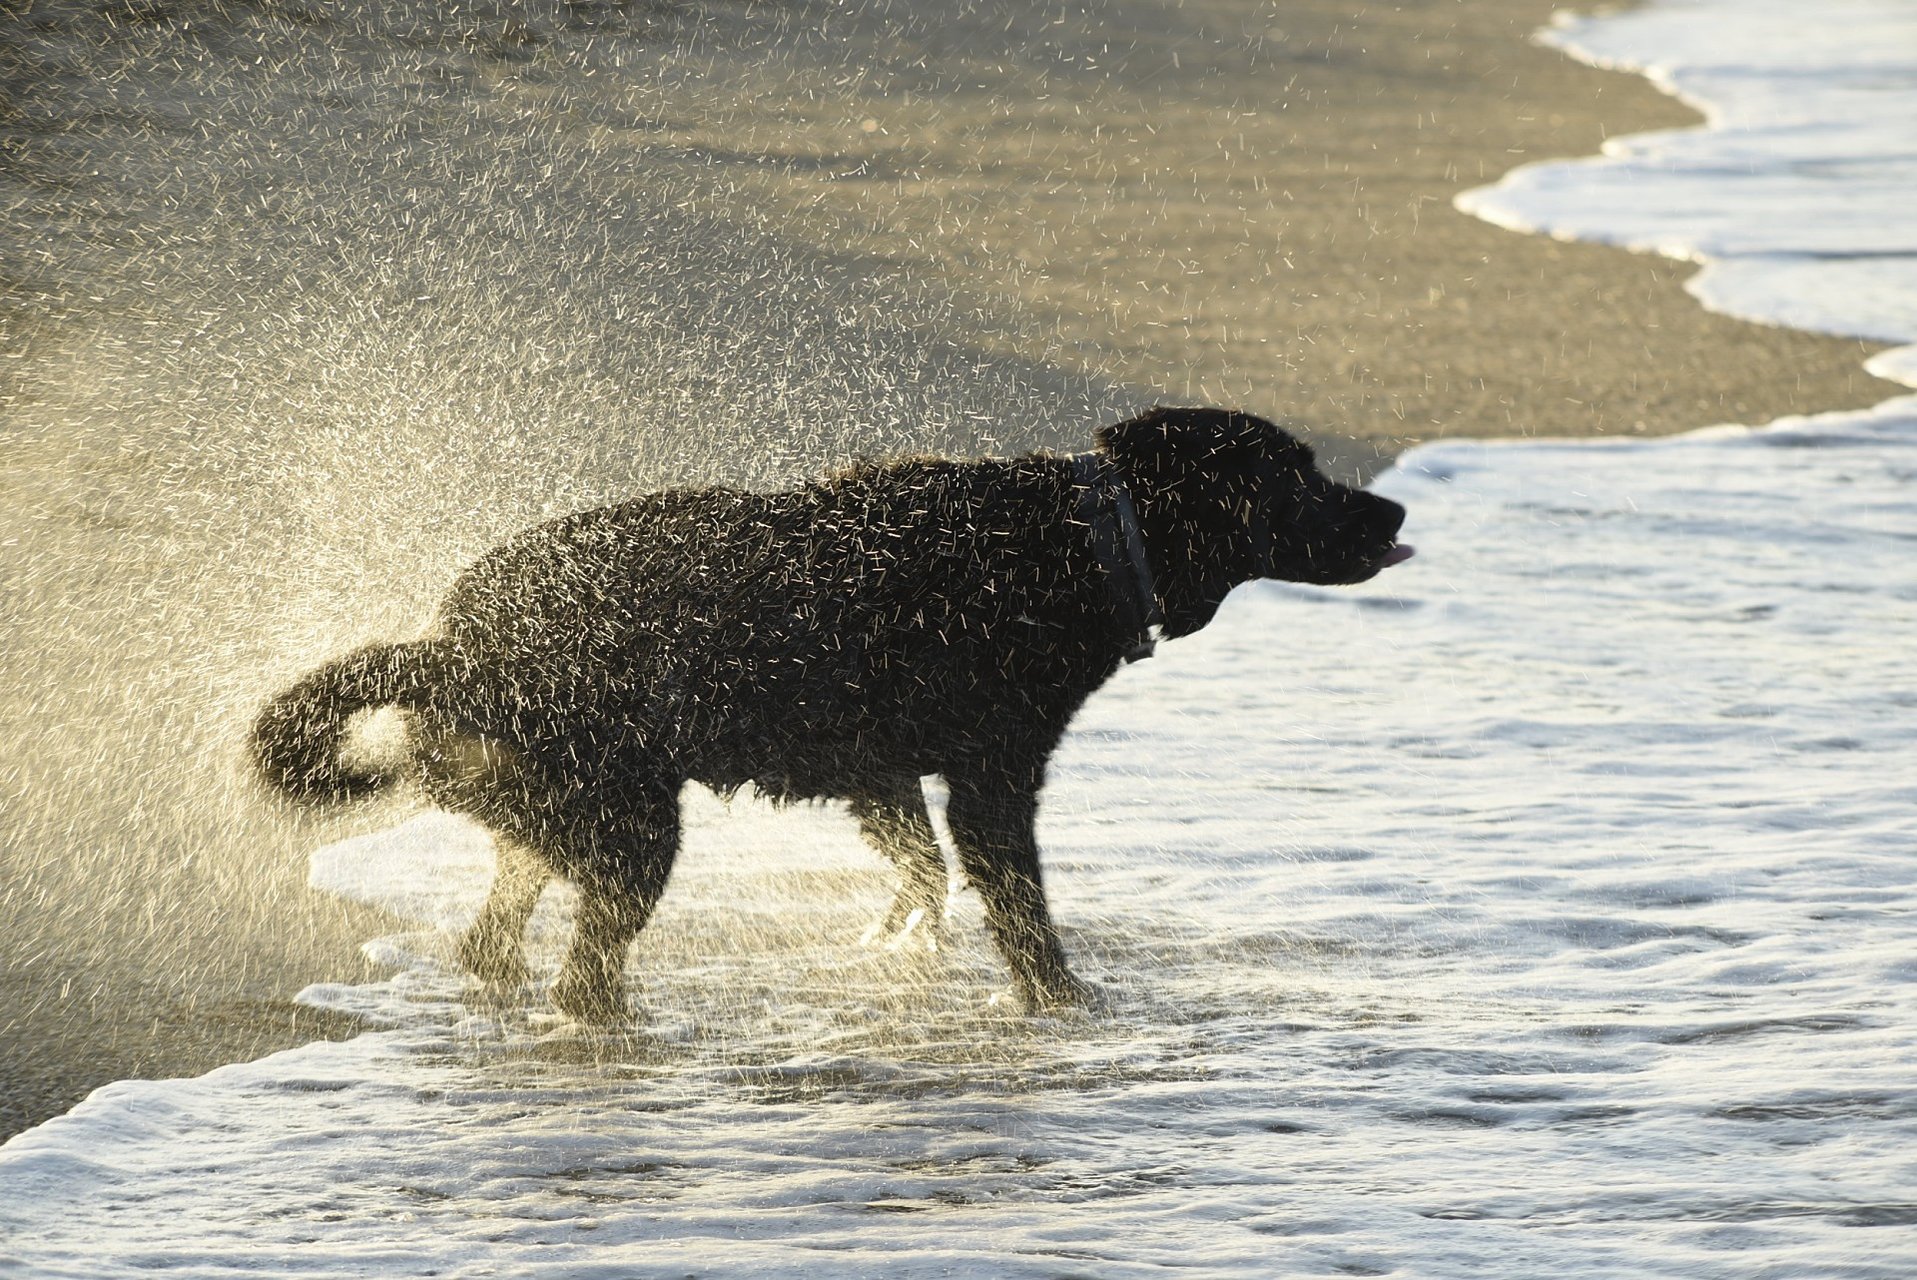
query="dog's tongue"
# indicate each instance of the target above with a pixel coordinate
(1397, 555)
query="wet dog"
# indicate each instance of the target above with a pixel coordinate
(838, 640)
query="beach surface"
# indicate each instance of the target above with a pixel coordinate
(232, 452)
(1256, 209)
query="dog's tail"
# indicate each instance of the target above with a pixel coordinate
(298, 735)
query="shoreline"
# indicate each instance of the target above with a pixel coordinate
(1397, 320)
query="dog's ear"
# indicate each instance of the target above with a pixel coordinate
(1143, 445)
(1131, 439)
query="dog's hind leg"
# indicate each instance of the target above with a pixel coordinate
(491, 950)
(620, 864)
(993, 815)
(893, 820)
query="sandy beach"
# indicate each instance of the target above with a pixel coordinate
(1271, 226)
(1263, 219)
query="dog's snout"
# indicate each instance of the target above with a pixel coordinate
(1376, 516)
(1391, 514)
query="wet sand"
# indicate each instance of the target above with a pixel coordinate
(1275, 232)
(1266, 220)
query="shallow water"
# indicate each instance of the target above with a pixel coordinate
(1544, 907)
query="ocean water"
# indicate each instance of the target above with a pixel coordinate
(1546, 906)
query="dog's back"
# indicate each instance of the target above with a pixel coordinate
(885, 617)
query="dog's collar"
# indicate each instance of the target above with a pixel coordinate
(1105, 504)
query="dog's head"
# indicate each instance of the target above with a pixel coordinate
(1225, 497)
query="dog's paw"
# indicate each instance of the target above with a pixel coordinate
(1064, 993)
(497, 976)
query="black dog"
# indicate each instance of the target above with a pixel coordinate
(838, 640)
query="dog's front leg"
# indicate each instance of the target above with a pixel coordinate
(993, 818)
